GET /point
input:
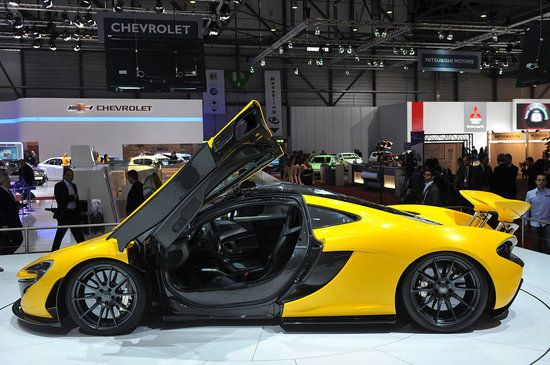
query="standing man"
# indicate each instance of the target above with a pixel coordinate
(539, 199)
(68, 213)
(464, 174)
(9, 217)
(431, 195)
(135, 195)
(512, 175)
(482, 174)
(66, 160)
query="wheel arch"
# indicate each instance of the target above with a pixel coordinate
(399, 306)
(61, 307)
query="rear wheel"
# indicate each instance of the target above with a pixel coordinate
(106, 297)
(445, 292)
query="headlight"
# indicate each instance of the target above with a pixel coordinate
(40, 268)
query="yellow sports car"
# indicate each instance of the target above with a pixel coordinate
(211, 245)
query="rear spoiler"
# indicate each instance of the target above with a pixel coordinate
(507, 209)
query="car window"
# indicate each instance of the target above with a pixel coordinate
(323, 217)
(318, 160)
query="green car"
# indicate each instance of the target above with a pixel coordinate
(318, 160)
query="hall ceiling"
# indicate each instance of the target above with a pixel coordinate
(351, 34)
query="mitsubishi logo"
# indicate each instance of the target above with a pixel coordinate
(475, 117)
(80, 108)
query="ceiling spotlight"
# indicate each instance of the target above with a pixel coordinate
(66, 36)
(251, 69)
(317, 31)
(18, 22)
(262, 62)
(273, 29)
(355, 28)
(376, 32)
(36, 44)
(225, 12)
(495, 37)
(403, 51)
(347, 72)
(290, 45)
(78, 21)
(483, 15)
(47, 4)
(52, 45)
(319, 62)
(35, 33)
(213, 28)
(381, 64)
(14, 2)
(159, 8)
(384, 33)
(369, 63)
(117, 7)
(350, 50)
(294, 4)
(89, 19)
(389, 11)
(85, 4)
(65, 18)
(341, 50)
(450, 35)
(405, 67)
(296, 71)
(309, 62)
(281, 50)
(18, 34)
(395, 51)
(76, 47)
(75, 36)
(375, 63)
(357, 58)
(412, 51)
(440, 35)
(500, 71)
(505, 62)
(192, 1)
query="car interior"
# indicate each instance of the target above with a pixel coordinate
(234, 247)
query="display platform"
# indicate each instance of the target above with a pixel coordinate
(523, 337)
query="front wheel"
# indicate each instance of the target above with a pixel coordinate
(106, 297)
(445, 292)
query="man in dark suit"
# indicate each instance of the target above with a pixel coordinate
(482, 174)
(431, 195)
(464, 174)
(68, 212)
(135, 195)
(512, 175)
(9, 217)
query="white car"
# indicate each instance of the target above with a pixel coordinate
(53, 167)
(346, 158)
(142, 162)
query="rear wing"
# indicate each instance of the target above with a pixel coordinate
(507, 209)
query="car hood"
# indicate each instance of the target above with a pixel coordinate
(242, 148)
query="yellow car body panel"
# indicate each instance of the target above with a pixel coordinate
(34, 300)
(386, 244)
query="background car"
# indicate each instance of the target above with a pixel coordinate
(347, 158)
(201, 248)
(318, 160)
(142, 162)
(53, 167)
(40, 175)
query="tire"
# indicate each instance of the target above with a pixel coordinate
(106, 297)
(444, 292)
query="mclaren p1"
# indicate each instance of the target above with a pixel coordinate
(210, 244)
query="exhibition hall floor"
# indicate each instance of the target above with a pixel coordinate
(523, 337)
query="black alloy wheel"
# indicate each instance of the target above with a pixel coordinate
(445, 292)
(106, 297)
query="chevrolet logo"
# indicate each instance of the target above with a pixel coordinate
(80, 107)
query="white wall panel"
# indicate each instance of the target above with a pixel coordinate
(338, 125)
(317, 130)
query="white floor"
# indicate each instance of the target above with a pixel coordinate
(521, 338)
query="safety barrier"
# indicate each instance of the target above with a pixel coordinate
(27, 229)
